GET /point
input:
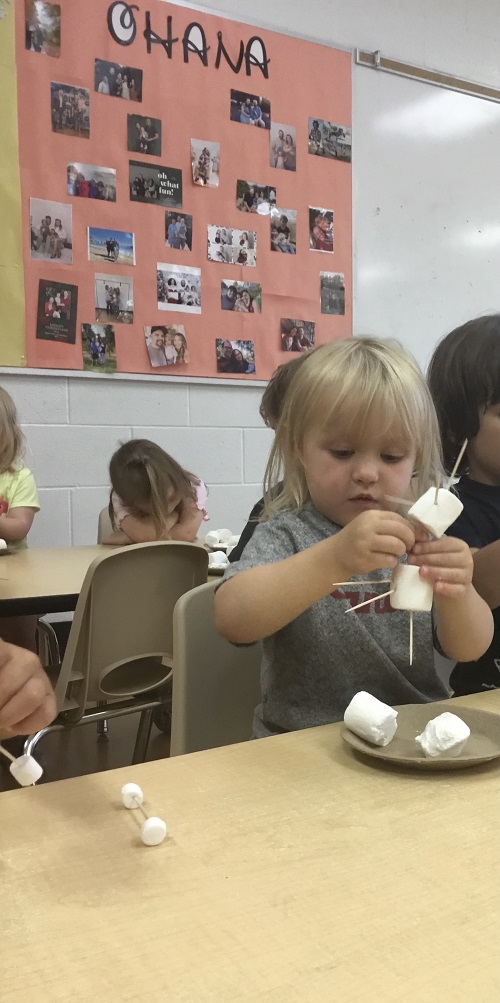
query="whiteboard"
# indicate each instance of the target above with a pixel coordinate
(426, 209)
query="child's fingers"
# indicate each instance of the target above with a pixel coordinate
(449, 590)
(455, 576)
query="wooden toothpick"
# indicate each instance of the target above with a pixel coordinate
(363, 581)
(457, 464)
(5, 752)
(411, 637)
(399, 501)
(373, 599)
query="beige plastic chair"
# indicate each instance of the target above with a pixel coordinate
(120, 646)
(216, 685)
(104, 527)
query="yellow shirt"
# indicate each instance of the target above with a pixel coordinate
(18, 490)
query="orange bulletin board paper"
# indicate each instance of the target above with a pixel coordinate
(192, 101)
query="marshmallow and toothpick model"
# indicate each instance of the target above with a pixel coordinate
(24, 769)
(153, 829)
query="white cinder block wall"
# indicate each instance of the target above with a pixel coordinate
(74, 424)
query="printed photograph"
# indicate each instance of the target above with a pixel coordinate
(51, 231)
(117, 80)
(205, 162)
(167, 346)
(329, 140)
(235, 356)
(99, 348)
(178, 231)
(231, 246)
(178, 288)
(332, 292)
(91, 182)
(251, 197)
(320, 229)
(144, 135)
(249, 109)
(284, 230)
(296, 335)
(70, 109)
(43, 27)
(111, 245)
(283, 146)
(114, 299)
(242, 297)
(155, 185)
(56, 317)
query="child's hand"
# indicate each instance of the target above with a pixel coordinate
(374, 539)
(446, 563)
(27, 700)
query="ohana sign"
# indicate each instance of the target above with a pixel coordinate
(123, 26)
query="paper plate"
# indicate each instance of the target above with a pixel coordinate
(482, 746)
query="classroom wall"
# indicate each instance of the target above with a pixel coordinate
(73, 425)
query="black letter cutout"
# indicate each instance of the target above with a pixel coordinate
(121, 22)
(190, 46)
(222, 51)
(151, 36)
(252, 60)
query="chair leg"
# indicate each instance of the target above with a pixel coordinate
(143, 735)
(32, 740)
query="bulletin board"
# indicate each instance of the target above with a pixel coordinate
(185, 186)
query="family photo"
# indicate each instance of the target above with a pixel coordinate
(90, 182)
(99, 348)
(320, 229)
(230, 246)
(144, 135)
(283, 146)
(70, 110)
(329, 140)
(205, 162)
(249, 109)
(284, 230)
(235, 356)
(178, 288)
(111, 245)
(296, 335)
(51, 231)
(43, 27)
(117, 80)
(167, 346)
(114, 299)
(255, 198)
(155, 185)
(56, 316)
(332, 292)
(178, 230)
(242, 297)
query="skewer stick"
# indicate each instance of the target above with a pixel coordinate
(363, 581)
(373, 598)
(457, 464)
(411, 637)
(399, 501)
(5, 752)
(139, 806)
(437, 493)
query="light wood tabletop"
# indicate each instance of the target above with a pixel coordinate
(294, 872)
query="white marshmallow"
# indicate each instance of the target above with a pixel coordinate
(26, 770)
(436, 517)
(225, 536)
(371, 719)
(153, 831)
(217, 559)
(132, 795)
(3, 545)
(411, 592)
(446, 733)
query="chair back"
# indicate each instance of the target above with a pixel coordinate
(122, 630)
(216, 685)
(104, 527)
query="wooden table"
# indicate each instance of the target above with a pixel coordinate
(294, 873)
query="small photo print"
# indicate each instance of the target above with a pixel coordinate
(99, 349)
(329, 140)
(51, 231)
(56, 317)
(70, 109)
(283, 146)
(167, 346)
(249, 109)
(111, 245)
(296, 335)
(114, 299)
(242, 297)
(332, 292)
(320, 229)
(251, 197)
(144, 135)
(117, 80)
(235, 356)
(178, 231)
(231, 246)
(155, 185)
(284, 230)
(178, 288)
(205, 162)
(43, 27)
(91, 182)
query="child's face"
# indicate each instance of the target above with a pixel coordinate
(483, 451)
(346, 477)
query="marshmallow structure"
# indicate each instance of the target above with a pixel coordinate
(26, 770)
(411, 592)
(444, 734)
(153, 831)
(132, 795)
(371, 719)
(436, 516)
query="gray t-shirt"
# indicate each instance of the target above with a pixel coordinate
(312, 668)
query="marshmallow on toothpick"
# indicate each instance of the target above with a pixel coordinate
(371, 719)
(436, 510)
(410, 591)
(25, 770)
(444, 734)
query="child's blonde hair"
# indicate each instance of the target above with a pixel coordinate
(357, 384)
(145, 477)
(11, 436)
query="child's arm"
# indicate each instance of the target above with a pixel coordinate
(487, 573)
(16, 523)
(117, 539)
(144, 531)
(27, 700)
(190, 519)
